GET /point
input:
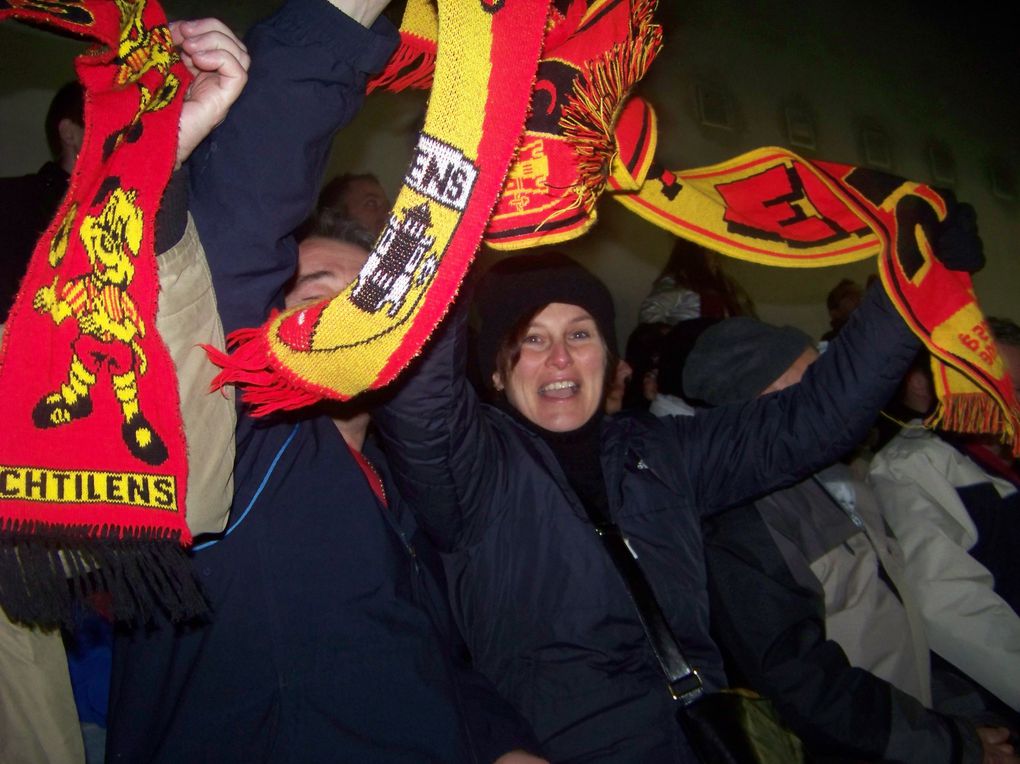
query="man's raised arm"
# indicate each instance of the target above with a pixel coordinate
(255, 179)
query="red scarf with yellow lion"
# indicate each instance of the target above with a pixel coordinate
(92, 457)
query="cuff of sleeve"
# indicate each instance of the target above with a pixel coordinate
(316, 21)
(966, 745)
(172, 218)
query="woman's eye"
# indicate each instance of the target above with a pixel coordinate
(581, 334)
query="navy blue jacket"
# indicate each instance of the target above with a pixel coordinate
(328, 640)
(27, 205)
(540, 604)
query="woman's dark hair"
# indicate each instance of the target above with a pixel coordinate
(689, 266)
(642, 353)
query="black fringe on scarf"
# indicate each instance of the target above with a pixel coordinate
(45, 569)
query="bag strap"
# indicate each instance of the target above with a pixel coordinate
(682, 679)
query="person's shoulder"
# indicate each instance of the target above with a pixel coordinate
(637, 424)
(39, 189)
(646, 437)
(21, 183)
(920, 455)
(912, 440)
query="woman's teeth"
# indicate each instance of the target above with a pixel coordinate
(558, 387)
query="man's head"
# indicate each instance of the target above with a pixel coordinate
(917, 390)
(329, 259)
(65, 124)
(674, 349)
(1007, 339)
(360, 198)
(842, 301)
(741, 358)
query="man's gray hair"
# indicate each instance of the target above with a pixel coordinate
(328, 224)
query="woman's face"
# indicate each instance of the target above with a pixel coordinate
(558, 381)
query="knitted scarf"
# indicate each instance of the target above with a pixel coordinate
(585, 135)
(92, 459)
(594, 53)
(487, 54)
(773, 207)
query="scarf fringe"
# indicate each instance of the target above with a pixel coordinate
(249, 365)
(590, 115)
(411, 66)
(977, 413)
(46, 569)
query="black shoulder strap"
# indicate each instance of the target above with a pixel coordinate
(683, 680)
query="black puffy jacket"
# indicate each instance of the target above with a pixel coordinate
(543, 610)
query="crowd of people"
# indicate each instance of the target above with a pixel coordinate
(423, 573)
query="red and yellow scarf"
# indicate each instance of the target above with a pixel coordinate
(586, 135)
(363, 338)
(773, 207)
(92, 459)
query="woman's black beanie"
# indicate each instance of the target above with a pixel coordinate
(521, 286)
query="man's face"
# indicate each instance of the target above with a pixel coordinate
(617, 387)
(794, 373)
(366, 202)
(325, 268)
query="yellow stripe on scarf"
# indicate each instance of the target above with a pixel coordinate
(772, 207)
(360, 342)
(487, 56)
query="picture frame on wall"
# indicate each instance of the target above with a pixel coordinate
(942, 164)
(876, 148)
(800, 127)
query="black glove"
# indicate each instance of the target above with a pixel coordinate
(957, 244)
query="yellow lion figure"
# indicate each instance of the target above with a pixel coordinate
(108, 323)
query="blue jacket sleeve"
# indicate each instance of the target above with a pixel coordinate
(443, 448)
(453, 462)
(732, 454)
(256, 177)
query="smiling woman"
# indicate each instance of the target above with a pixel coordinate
(557, 377)
(547, 339)
(514, 493)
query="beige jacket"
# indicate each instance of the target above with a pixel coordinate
(915, 477)
(187, 318)
(38, 718)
